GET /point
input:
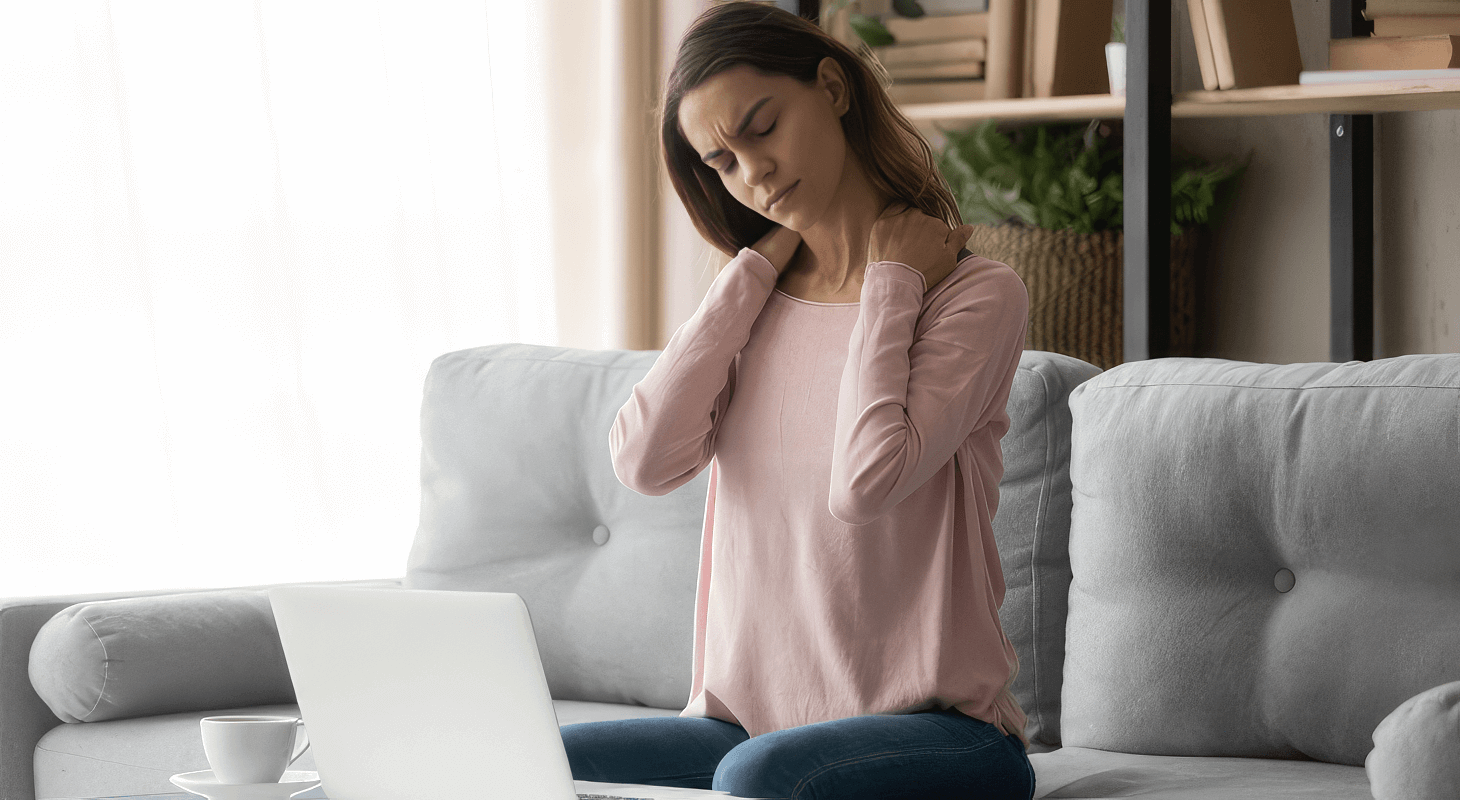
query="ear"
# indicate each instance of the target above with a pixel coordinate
(833, 81)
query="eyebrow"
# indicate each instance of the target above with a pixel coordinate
(744, 123)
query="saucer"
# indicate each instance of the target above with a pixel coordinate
(203, 783)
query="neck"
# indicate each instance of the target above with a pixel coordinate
(833, 254)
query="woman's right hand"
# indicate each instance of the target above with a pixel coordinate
(778, 245)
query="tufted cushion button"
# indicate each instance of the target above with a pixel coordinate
(600, 534)
(1283, 581)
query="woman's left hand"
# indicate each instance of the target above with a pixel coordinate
(925, 243)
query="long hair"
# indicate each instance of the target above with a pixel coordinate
(896, 158)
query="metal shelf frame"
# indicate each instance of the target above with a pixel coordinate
(1148, 194)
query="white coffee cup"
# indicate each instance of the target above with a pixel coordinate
(249, 749)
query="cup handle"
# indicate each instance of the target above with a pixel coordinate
(299, 731)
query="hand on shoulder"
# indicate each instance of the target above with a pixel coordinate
(778, 245)
(925, 243)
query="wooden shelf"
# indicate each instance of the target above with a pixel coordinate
(1338, 98)
(1082, 106)
(1347, 98)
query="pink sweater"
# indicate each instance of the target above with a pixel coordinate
(847, 565)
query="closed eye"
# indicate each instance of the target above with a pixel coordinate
(767, 132)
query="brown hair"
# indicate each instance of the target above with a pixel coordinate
(897, 159)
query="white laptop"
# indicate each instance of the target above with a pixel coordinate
(410, 694)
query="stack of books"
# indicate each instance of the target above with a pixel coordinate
(935, 59)
(1411, 39)
(1241, 44)
(972, 50)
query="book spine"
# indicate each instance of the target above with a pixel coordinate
(1221, 48)
(937, 92)
(1003, 71)
(1203, 45)
(950, 70)
(1412, 52)
(1379, 8)
(938, 29)
(1417, 26)
(961, 50)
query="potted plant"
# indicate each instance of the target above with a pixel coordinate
(1048, 201)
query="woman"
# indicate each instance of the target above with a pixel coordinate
(844, 380)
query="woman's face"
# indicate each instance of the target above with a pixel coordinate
(765, 134)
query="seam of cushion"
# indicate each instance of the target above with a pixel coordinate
(106, 668)
(101, 760)
(1040, 520)
(1281, 388)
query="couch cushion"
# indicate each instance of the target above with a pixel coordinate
(518, 494)
(1032, 527)
(1417, 747)
(136, 756)
(139, 656)
(1077, 773)
(1263, 556)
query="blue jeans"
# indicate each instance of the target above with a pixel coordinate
(929, 755)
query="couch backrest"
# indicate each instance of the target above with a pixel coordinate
(518, 494)
(1265, 557)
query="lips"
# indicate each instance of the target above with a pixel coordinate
(782, 194)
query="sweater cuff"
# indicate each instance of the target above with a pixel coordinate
(760, 265)
(898, 271)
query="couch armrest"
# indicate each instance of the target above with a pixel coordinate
(24, 717)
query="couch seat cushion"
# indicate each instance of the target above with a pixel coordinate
(137, 756)
(1079, 772)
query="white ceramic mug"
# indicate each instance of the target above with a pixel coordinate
(251, 749)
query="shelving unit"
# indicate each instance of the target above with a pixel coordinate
(1148, 110)
(1354, 98)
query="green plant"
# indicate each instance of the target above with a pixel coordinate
(869, 28)
(1117, 29)
(1066, 176)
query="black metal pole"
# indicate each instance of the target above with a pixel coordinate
(1147, 286)
(1351, 213)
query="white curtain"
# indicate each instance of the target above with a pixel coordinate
(233, 235)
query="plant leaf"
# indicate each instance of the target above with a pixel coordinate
(908, 8)
(871, 30)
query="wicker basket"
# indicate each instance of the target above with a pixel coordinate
(1075, 283)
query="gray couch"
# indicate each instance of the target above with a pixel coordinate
(1221, 578)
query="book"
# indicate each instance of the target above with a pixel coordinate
(936, 91)
(931, 52)
(1394, 52)
(1327, 76)
(946, 70)
(1390, 8)
(1203, 45)
(1069, 47)
(938, 29)
(1254, 43)
(1003, 69)
(1429, 25)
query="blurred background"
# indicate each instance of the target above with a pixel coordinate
(234, 234)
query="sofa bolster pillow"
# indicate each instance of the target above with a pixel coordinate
(165, 654)
(1417, 748)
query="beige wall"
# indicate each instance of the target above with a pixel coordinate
(1265, 295)
(690, 263)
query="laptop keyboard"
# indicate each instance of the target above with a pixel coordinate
(582, 796)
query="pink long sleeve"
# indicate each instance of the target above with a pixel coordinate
(847, 564)
(909, 400)
(665, 434)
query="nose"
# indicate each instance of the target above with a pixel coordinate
(757, 169)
